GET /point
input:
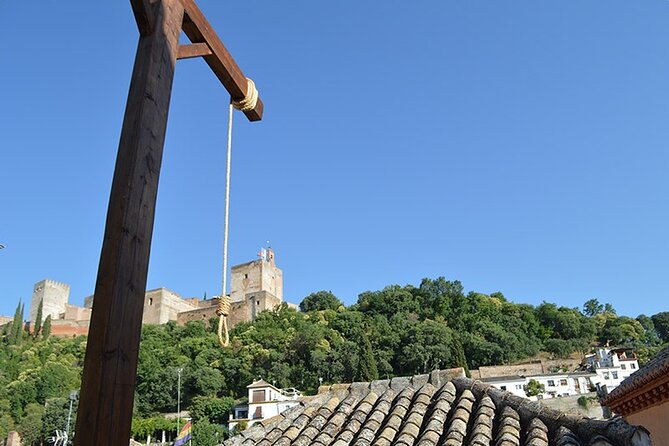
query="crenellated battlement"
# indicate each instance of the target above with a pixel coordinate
(54, 283)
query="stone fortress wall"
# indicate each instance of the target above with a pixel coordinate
(254, 287)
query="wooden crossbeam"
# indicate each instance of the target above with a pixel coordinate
(110, 365)
(198, 30)
(193, 50)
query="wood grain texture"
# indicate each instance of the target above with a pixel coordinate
(193, 50)
(143, 16)
(110, 365)
(198, 30)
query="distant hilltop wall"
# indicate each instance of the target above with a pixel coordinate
(526, 369)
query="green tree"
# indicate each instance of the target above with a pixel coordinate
(592, 307)
(426, 346)
(212, 409)
(30, 426)
(367, 370)
(38, 319)
(650, 337)
(55, 416)
(240, 427)
(534, 388)
(320, 300)
(608, 308)
(6, 425)
(622, 331)
(458, 353)
(46, 329)
(16, 333)
(208, 434)
(661, 323)
(559, 347)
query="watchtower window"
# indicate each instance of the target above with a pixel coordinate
(257, 302)
(150, 300)
(246, 276)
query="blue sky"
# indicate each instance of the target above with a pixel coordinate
(515, 145)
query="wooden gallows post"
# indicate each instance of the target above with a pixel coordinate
(110, 366)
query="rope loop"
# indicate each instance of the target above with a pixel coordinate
(223, 306)
(222, 312)
(250, 100)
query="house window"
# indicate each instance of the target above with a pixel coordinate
(563, 382)
(633, 366)
(623, 366)
(242, 414)
(551, 383)
(540, 397)
(258, 395)
(502, 387)
(519, 386)
(257, 413)
(606, 375)
(615, 375)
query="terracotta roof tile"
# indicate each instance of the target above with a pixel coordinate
(432, 410)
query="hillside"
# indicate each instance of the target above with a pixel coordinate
(395, 331)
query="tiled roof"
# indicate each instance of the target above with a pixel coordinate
(260, 383)
(654, 373)
(431, 410)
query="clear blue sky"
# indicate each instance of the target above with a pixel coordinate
(516, 145)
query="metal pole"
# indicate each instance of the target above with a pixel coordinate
(179, 370)
(73, 396)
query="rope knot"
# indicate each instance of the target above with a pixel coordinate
(250, 100)
(224, 303)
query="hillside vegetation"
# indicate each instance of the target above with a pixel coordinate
(395, 331)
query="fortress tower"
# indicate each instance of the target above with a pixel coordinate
(54, 295)
(255, 277)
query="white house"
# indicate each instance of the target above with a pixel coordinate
(612, 366)
(555, 384)
(514, 384)
(264, 401)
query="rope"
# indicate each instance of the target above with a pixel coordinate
(250, 100)
(224, 302)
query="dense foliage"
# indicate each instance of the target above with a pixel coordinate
(394, 331)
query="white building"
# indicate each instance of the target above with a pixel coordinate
(555, 384)
(264, 401)
(612, 366)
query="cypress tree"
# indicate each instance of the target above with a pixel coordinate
(367, 370)
(17, 325)
(458, 353)
(46, 329)
(38, 319)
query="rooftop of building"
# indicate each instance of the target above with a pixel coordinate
(443, 407)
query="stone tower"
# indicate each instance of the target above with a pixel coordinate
(256, 276)
(54, 295)
(254, 287)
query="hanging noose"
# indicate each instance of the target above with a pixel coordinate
(224, 302)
